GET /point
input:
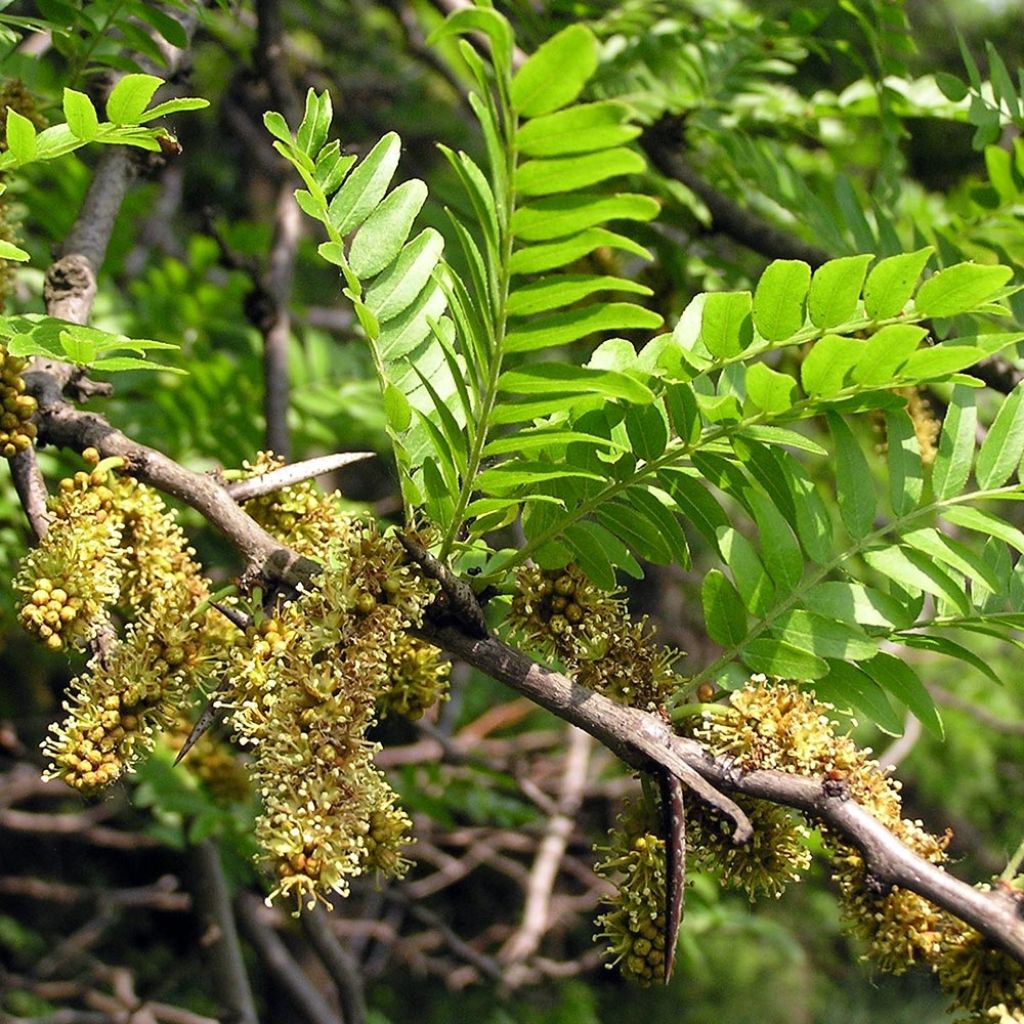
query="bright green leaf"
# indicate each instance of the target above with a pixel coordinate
(1001, 450)
(726, 326)
(769, 390)
(782, 660)
(80, 115)
(567, 174)
(555, 74)
(560, 215)
(814, 632)
(891, 283)
(952, 464)
(384, 232)
(579, 129)
(128, 99)
(835, 290)
(854, 602)
(366, 185)
(779, 299)
(960, 288)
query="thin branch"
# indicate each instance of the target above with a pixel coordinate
(525, 941)
(163, 895)
(74, 826)
(979, 714)
(31, 488)
(339, 963)
(295, 473)
(663, 144)
(220, 936)
(279, 963)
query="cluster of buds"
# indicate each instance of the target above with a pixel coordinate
(17, 431)
(417, 679)
(563, 615)
(634, 926)
(778, 726)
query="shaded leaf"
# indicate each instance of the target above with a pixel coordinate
(855, 488)
(724, 614)
(900, 679)
(781, 660)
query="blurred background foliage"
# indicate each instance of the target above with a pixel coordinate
(823, 117)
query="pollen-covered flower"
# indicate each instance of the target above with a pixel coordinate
(974, 972)
(417, 678)
(17, 431)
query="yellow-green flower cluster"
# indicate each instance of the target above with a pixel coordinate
(126, 696)
(776, 855)
(305, 685)
(634, 927)
(417, 679)
(17, 431)
(778, 726)
(563, 615)
(300, 515)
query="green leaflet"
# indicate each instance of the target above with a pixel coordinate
(899, 679)
(780, 549)
(382, 235)
(562, 328)
(906, 475)
(952, 464)
(824, 370)
(555, 75)
(564, 289)
(130, 97)
(534, 259)
(953, 554)
(855, 602)
(818, 634)
(885, 352)
(366, 185)
(548, 177)
(910, 569)
(770, 390)
(984, 522)
(835, 290)
(724, 614)
(80, 115)
(397, 288)
(779, 299)
(1000, 452)
(778, 658)
(562, 378)
(891, 283)
(726, 327)
(848, 686)
(560, 215)
(960, 288)
(598, 552)
(579, 129)
(751, 581)
(855, 489)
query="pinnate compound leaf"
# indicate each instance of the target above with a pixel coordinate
(891, 283)
(952, 464)
(1001, 450)
(384, 232)
(726, 326)
(835, 290)
(960, 288)
(366, 185)
(900, 680)
(555, 74)
(779, 299)
(724, 614)
(854, 485)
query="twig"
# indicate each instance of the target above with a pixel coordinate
(986, 718)
(279, 962)
(339, 962)
(526, 939)
(74, 826)
(31, 488)
(662, 143)
(162, 895)
(295, 473)
(219, 934)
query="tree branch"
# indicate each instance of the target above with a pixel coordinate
(640, 738)
(220, 936)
